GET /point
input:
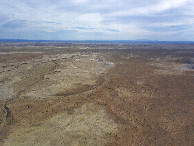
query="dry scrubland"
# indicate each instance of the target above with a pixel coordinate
(96, 94)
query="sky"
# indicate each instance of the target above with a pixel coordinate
(162, 20)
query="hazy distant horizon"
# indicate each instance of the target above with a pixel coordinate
(103, 41)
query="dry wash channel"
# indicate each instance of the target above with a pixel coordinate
(100, 97)
(44, 101)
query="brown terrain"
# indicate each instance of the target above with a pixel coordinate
(96, 94)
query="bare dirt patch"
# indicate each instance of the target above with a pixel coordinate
(80, 97)
(88, 125)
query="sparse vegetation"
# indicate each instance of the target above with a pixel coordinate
(136, 94)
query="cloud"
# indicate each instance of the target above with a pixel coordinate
(79, 1)
(112, 19)
(153, 8)
(90, 19)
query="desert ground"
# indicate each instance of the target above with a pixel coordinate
(96, 94)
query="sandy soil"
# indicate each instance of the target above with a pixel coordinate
(97, 97)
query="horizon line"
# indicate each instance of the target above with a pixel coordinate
(140, 40)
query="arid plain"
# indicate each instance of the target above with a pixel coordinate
(58, 93)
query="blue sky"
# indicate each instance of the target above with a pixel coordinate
(164, 20)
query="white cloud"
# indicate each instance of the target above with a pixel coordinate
(90, 18)
(79, 1)
(161, 6)
(115, 19)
